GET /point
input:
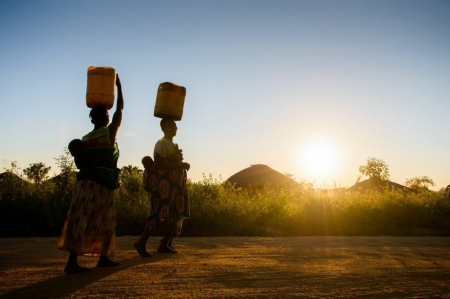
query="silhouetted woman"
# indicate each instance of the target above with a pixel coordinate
(90, 227)
(165, 182)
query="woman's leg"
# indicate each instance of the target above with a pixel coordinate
(72, 266)
(164, 246)
(169, 244)
(140, 243)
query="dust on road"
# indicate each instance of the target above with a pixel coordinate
(236, 267)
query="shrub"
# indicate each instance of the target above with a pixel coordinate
(219, 208)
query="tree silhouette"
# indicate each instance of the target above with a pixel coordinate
(375, 168)
(36, 172)
(419, 183)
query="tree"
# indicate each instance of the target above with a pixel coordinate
(62, 187)
(419, 183)
(375, 168)
(14, 168)
(37, 172)
(12, 185)
(130, 171)
(131, 180)
(65, 162)
(65, 182)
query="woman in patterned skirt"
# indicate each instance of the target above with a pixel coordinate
(165, 182)
(90, 227)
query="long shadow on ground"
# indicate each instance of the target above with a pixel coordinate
(68, 284)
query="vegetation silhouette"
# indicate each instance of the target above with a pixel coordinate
(221, 208)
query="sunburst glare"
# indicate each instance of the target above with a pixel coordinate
(319, 160)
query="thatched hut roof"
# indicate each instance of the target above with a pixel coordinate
(260, 175)
(9, 178)
(378, 184)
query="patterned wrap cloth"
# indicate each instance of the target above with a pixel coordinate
(168, 194)
(98, 161)
(90, 227)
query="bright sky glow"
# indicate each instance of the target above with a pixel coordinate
(263, 78)
(320, 160)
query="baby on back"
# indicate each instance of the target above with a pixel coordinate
(148, 164)
(75, 147)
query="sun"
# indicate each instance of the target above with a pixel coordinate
(319, 160)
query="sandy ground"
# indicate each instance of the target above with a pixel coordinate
(236, 267)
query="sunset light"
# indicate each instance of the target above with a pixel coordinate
(320, 160)
(210, 149)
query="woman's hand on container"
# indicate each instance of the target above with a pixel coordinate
(185, 165)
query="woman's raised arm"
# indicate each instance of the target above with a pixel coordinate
(117, 117)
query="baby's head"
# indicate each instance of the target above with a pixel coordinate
(147, 161)
(75, 146)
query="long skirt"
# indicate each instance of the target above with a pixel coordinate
(169, 201)
(90, 228)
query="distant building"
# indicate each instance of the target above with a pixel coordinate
(378, 184)
(260, 175)
(9, 178)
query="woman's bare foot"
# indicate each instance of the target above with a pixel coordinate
(73, 269)
(166, 249)
(106, 262)
(141, 250)
(168, 245)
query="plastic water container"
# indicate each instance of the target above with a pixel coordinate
(170, 101)
(100, 86)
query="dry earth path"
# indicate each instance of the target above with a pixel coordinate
(237, 267)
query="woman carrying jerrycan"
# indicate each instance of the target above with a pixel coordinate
(90, 227)
(165, 178)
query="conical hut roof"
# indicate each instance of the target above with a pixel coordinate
(260, 175)
(9, 178)
(378, 184)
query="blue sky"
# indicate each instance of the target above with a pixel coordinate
(265, 80)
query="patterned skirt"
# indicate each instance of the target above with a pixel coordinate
(90, 228)
(169, 201)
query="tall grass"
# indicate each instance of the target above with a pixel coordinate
(221, 209)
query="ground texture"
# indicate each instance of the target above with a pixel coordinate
(236, 267)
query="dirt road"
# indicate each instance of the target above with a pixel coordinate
(236, 267)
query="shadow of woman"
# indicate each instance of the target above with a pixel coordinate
(66, 284)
